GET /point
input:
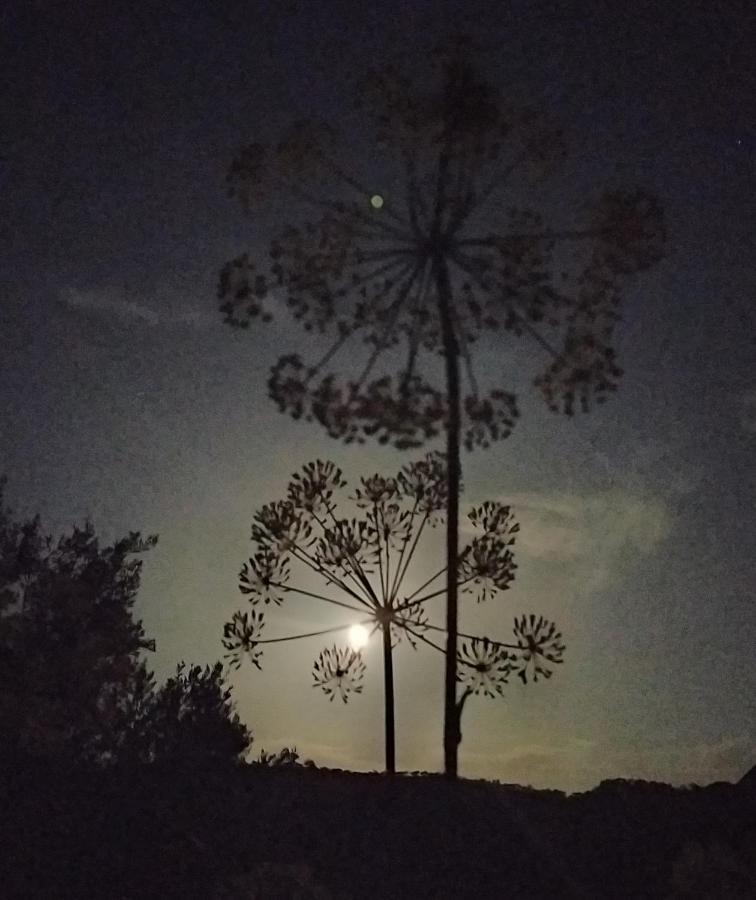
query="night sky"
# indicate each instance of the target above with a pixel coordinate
(125, 399)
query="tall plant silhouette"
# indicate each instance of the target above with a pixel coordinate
(305, 546)
(414, 242)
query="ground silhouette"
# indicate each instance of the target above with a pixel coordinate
(243, 831)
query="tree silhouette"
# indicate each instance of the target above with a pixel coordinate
(70, 661)
(73, 683)
(367, 558)
(433, 245)
(189, 720)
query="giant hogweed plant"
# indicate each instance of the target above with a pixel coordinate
(304, 545)
(410, 237)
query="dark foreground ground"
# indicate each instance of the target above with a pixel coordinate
(252, 832)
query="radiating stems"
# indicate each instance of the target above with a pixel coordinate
(304, 593)
(407, 536)
(402, 572)
(466, 266)
(379, 549)
(304, 556)
(356, 574)
(437, 593)
(495, 241)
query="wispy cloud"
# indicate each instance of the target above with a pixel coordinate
(581, 764)
(115, 303)
(564, 527)
(591, 537)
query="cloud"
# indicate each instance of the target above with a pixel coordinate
(591, 537)
(114, 303)
(654, 461)
(581, 764)
(570, 527)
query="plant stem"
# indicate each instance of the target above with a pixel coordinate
(388, 690)
(453, 475)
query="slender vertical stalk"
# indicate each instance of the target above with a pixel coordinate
(454, 472)
(388, 691)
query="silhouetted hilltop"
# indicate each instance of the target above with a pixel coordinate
(748, 781)
(296, 831)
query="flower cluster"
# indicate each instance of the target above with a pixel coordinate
(280, 525)
(408, 624)
(241, 636)
(425, 482)
(364, 561)
(342, 548)
(312, 490)
(539, 646)
(263, 577)
(487, 564)
(367, 275)
(338, 670)
(375, 491)
(484, 667)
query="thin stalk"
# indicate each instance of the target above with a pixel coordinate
(493, 241)
(304, 556)
(411, 554)
(464, 263)
(475, 637)
(379, 550)
(331, 578)
(315, 596)
(309, 634)
(301, 194)
(361, 189)
(453, 474)
(421, 637)
(435, 593)
(392, 311)
(388, 688)
(476, 201)
(358, 574)
(388, 561)
(422, 587)
(293, 287)
(407, 536)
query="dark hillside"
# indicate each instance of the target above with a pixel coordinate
(299, 832)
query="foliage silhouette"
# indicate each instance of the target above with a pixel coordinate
(434, 244)
(367, 558)
(189, 721)
(70, 660)
(73, 683)
(283, 759)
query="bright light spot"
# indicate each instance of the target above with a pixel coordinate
(358, 637)
(376, 201)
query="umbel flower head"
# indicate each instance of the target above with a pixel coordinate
(539, 645)
(488, 562)
(241, 637)
(338, 670)
(375, 240)
(484, 667)
(364, 565)
(363, 560)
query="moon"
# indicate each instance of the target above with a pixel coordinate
(358, 637)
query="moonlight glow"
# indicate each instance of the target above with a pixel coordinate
(376, 201)
(358, 637)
